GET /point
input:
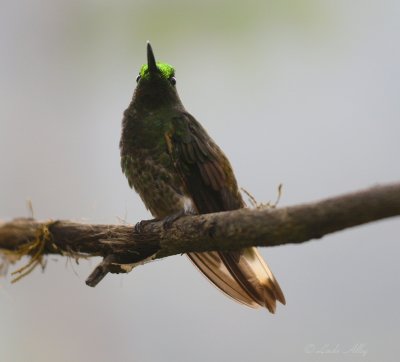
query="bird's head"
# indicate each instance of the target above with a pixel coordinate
(156, 82)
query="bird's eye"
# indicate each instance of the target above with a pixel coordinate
(172, 80)
(138, 78)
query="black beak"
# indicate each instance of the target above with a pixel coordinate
(151, 60)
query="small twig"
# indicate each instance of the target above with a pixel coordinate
(101, 271)
(254, 203)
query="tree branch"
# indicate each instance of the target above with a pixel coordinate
(122, 244)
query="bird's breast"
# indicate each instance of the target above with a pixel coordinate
(155, 179)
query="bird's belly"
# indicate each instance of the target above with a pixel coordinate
(158, 185)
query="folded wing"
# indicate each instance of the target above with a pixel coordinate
(211, 185)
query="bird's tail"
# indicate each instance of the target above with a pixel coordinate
(242, 275)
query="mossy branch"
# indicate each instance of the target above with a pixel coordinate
(123, 247)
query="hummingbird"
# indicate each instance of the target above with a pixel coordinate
(177, 169)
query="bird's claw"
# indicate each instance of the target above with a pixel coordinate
(170, 219)
(141, 224)
(166, 222)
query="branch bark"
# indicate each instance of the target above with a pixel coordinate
(121, 245)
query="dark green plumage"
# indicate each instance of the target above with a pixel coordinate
(174, 165)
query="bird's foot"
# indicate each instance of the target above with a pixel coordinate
(141, 224)
(170, 219)
(167, 221)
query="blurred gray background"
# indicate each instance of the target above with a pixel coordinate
(304, 93)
